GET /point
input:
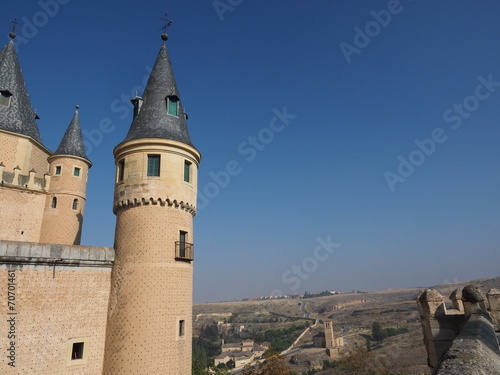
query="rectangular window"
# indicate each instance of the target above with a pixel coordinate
(58, 170)
(172, 105)
(187, 171)
(121, 170)
(76, 172)
(182, 327)
(77, 351)
(153, 165)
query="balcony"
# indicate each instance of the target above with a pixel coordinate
(184, 251)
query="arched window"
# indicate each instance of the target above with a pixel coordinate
(54, 203)
(75, 204)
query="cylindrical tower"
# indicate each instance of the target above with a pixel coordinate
(150, 312)
(65, 202)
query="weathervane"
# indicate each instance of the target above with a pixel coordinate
(167, 23)
(14, 27)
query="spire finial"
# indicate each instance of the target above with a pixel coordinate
(168, 22)
(77, 106)
(14, 23)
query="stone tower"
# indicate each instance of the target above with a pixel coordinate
(329, 336)
(65, 203)
(150, 311)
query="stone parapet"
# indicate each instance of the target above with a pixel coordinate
(460, 340)
(29, 253)
(30, 182)
(493, 296)
(474, 351)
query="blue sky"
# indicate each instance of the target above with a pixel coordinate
(346, 145)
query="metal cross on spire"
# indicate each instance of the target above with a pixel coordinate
(14, 27)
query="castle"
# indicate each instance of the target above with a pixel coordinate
(72, 309)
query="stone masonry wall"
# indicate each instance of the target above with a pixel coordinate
(21, 214)
(18, 150)
(58, 296)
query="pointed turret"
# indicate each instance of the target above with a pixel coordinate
(16, 113)
(65, 203)
(72, 142)
(161, 114)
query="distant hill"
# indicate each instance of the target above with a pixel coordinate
(353, 315)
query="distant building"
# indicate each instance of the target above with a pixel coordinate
(327, 339)
(241, 353)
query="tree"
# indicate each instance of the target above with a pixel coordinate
(378, 333)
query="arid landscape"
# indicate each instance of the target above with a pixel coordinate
(353, 315)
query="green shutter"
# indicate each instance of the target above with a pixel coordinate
(172, 106)
(153, 165)
(187, 171)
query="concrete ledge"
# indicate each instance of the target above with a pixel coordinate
(475, 351)
(12, 252)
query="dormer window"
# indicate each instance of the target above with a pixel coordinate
(173, 105)
(5, 96)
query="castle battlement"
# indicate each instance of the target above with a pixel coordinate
(142, 201)
(462, 336)
(17, 180)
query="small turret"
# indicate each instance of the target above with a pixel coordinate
(66, 197)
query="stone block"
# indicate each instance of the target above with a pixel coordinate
(56, 251)
(11, 249)
(3, 248)
(36, 251)
(46, 250)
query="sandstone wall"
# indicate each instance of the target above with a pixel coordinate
(58, 297)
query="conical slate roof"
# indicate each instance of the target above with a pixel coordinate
(72, 142)
(18, 116)
(153, 121)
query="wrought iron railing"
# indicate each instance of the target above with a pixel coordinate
(184, 250)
